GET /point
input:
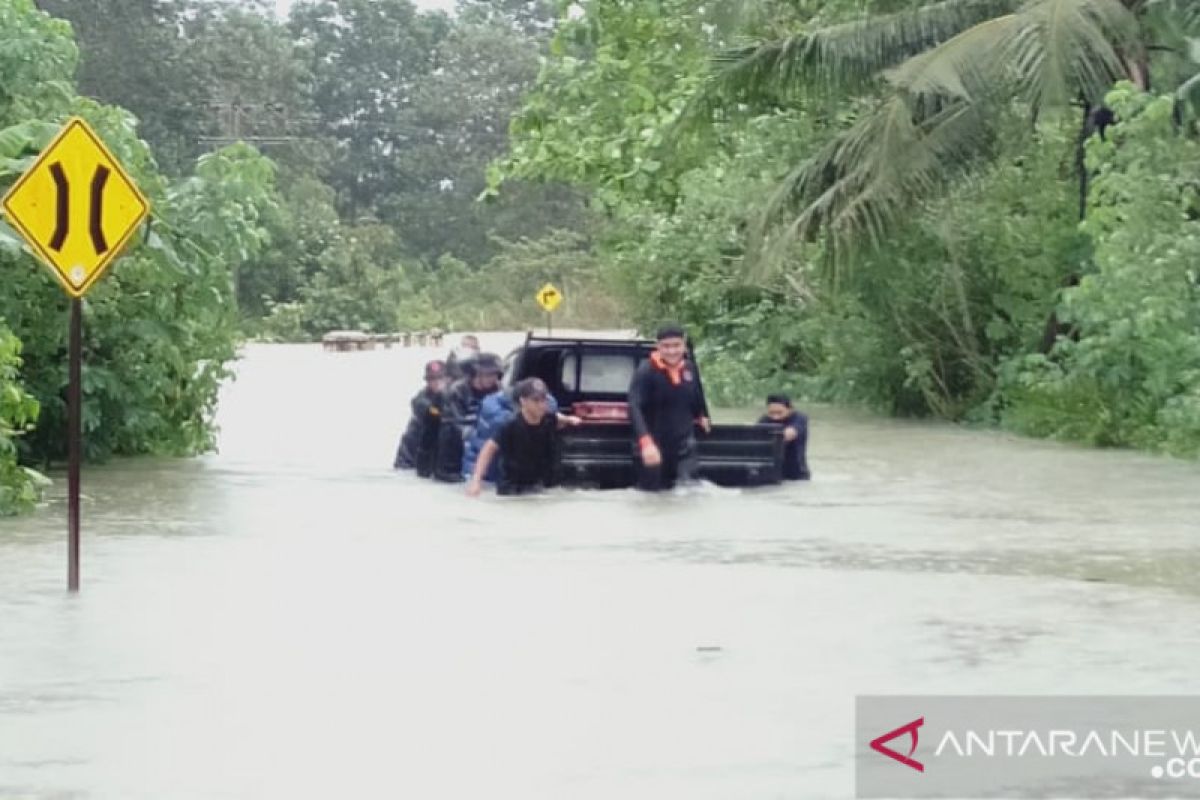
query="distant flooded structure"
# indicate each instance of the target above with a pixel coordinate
(345, 341)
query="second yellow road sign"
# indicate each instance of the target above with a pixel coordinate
(549, 297)
(76, 207)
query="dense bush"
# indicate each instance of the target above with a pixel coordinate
(160, 328)
(879, 202)
(1130, 373)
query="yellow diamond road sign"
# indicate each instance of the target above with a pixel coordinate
(76, 207)
(549, 297)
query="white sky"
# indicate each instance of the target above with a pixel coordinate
(282, 6)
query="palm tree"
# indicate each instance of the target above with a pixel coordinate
(948, 72)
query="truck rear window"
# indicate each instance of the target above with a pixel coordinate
(601, 373)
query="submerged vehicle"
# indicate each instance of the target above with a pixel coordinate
(590, 379)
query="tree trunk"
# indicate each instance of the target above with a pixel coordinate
(1095, 118)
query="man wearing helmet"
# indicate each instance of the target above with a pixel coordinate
(418, 446)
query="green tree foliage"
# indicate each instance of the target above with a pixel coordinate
(1131, 373)
(302, 227)
(534, 18)
(618, 80)
(134, 55)
(500, 294)
(255, 81)
(360, 282)
(414, 107)
(461, 111)
(909, 172)
(161, 326)
(366, 60)
(18, 413)
(39, 58)
(941, 80)
(374, 112)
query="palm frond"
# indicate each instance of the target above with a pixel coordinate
(1051, 51)
(1184, 14)
(860, 184)
(1189, 17)
(1188, 92)
(1064, 49)
(937, 126)
(962, 67)
(840, 57)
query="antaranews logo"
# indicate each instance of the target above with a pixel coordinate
(879, 745)
(1027, 746)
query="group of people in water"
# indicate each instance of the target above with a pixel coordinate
(466, 428)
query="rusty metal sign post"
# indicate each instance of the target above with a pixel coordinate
(77, 208)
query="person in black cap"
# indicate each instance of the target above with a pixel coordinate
(527, 444)
(418, 445)
(795, 436)
(481, 377)
(666, 404)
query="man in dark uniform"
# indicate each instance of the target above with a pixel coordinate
(795, 436)
(418, 445)
(666, 403)
(482, 376)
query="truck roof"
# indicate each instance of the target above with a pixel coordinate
(532, 340)
(580, 369)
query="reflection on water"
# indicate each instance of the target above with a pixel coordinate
(289, 618)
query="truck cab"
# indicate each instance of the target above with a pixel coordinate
(590, 379)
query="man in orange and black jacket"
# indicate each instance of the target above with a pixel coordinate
(666, 404)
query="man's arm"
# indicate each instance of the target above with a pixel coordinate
(699, 404)
(701, 401)
(457, 408)
(801, 427)
(475, 486)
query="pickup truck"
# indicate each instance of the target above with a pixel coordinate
(590, 379)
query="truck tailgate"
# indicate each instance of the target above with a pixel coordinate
(731, 455)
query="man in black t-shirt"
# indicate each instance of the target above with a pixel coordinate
(527, 444)
(666, 404)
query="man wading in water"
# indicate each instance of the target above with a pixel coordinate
(666, 404)
(527, 444)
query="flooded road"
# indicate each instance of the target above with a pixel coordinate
(291, 619)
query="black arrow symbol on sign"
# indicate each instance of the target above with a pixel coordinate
(547, 296)
(97, 213)
(62, 222)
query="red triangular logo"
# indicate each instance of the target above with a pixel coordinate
(911, 728)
